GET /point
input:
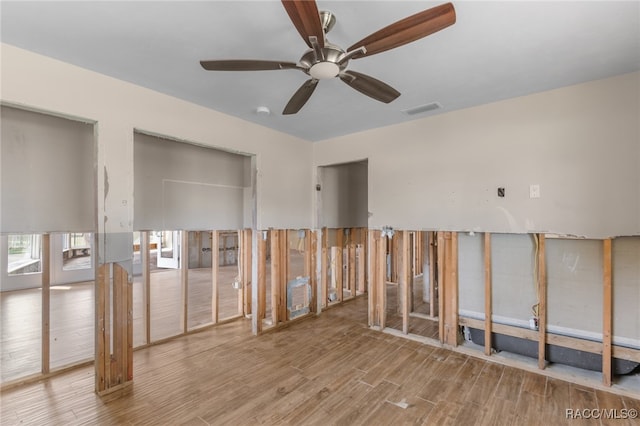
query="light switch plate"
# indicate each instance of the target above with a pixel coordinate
(534, 191)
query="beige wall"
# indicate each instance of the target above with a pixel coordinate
(29, 80)
(581, 144)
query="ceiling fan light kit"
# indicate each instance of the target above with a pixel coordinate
(324, 60)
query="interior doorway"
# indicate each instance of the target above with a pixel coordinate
(343, 216)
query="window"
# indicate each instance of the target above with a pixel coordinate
(24, 253)
(76, 251)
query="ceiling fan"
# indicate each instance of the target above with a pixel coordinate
(324, 60)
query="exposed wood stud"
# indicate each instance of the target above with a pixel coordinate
(116, 355)
(102, 341)
(339, 264)
(361, 256)
(284, 274)
(366, 249)
(184, 277)
(46, 302)
(352, 263)
(122, 359)
(129, 340)
(542, 302)
(440, 283)
(275, 275)
(419, 243)
(240, 261)
(431, 249)
(607, 319)
(146, 282)
(324, 266)
(372, 282)
(307, 254)
(451, 288)
(382, 283)
(214, 276)
(487, 293)
(262, 280)
(244, 296)
(405, 278)
(412, 272)
(312, 242)
(249, 272)
(199, 243)
(394, 251)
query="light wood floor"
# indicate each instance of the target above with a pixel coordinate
(323, 370)
(417, 325)
(72, 317)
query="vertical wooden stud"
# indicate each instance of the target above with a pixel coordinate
(184, 278)
(198, 237)
(361, 255)
(307, 254)
(275, 275)
(284, 277)
(542, 302)
(241, 270)
(366, 249)
(441, 286)
(382, 283)
(244, 266)
(146, 282)
(129, 340)
(405, 278)
(431, 247)
(262, 279)
(117, 327)
(312, 237)
(373, 276)
(324, 266)
(451, 288)
(45, 262)
(419, 245)
(607, 319)
(352, 264)
(103, 350)
(339, 263)
(215, 254)
(487, 293)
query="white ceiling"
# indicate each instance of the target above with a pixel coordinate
(496, 50)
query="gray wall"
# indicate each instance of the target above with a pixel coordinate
(626, 289)
(574, 283)
(183, 186)
(47, 174)
(344, 195)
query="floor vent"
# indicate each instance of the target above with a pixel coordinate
(422, 108)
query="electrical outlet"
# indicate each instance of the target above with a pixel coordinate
(534, 191)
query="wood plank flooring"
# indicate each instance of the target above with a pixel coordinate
(417, 325)
(72, 317)
(323, 370)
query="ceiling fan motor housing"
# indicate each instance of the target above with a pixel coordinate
(327, 67)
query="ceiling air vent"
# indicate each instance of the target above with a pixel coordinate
(422, 108)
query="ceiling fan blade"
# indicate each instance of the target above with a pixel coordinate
(306, 19)
(246, 65)
(301, 97)
(407, 30)
(370, 86)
